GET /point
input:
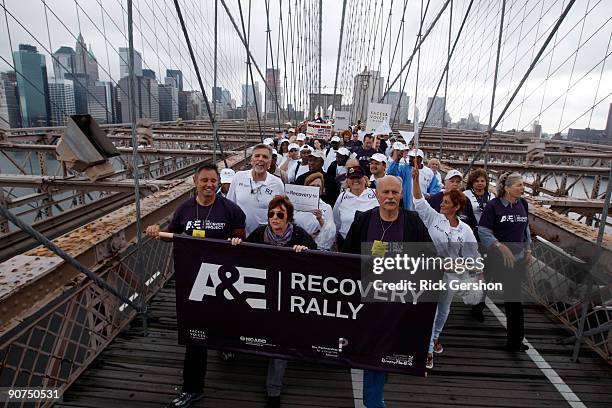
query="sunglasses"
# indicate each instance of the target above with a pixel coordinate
(280, 215)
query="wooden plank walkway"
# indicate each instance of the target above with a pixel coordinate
(136, 371)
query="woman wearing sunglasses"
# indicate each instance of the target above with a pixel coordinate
(280, 231)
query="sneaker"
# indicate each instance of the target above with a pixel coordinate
(517, 347)
(185, 399)
(429, 362)
(437, 347)
(227, 355)
(273, 402)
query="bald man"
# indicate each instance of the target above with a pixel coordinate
(377, 227)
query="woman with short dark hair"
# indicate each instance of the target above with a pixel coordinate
(280, 231)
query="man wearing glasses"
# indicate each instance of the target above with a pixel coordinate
(253, 189)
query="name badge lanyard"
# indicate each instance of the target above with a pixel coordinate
(201, 232)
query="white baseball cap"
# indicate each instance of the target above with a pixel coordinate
(268, 141)
(306, 147)
(227, 175)
(453, 173)
(343, 151)
(335, 139)
(274, 152)
(301, 136)
(318, 153)
(416, 153)
(399, 146)
(379, 157)
(294, 146)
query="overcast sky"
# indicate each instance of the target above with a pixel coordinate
(588, 73)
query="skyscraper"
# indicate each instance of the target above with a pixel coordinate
(177, 74)
(274, 93)
(168, 100)
(146, 98)
(64, 62)
(61, 94)
(33, 92)
(400, 115)
(367, 86)
(123, 63)
(8, 83)
(84, 61)
(148, 73)
(248, 95)
(100, 99)
(437, 116)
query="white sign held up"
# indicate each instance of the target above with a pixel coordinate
(303, 198)
(341, 119)
(377, 114)
(319, 130)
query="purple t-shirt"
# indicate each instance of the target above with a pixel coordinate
(385, 231)
(508, 223)
(364, 158)
(217, 220)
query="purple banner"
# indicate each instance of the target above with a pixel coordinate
(304, 306)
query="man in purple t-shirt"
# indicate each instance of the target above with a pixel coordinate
(206, 215)
(365, 152)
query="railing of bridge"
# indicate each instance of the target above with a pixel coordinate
(52, 348)
(573, 291)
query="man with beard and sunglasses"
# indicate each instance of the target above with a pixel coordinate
(377, 228)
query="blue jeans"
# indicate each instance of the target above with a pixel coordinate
(374, 388)
(444, 305)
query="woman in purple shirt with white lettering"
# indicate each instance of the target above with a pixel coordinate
(504, 230)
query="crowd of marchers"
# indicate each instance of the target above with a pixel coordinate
(374, 189)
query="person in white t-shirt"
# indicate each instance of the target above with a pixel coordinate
(331, 152)
(293, 160)
(253, 189)
(358, 197)
(302, 166)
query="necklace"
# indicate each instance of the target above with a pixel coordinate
(382, 227)
(209, 210)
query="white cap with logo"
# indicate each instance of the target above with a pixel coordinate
(294, 146)
(268, 141)
(306, 147)
(227, 175)
(343, 151)
(335, 139)
(398, 146)
(453, 173)
(379, 157)
(301, 136)
(416, 153)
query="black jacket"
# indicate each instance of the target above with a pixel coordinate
(414, 230)
(299, 237)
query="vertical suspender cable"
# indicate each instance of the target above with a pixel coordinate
(339, 55)
(499, 42)
(215, 102)
(444, 124)
(320, 47)
(525, 76)
(247, 36)
(197, 71)
(139, 271)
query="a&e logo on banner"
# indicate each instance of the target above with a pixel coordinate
(234, 283)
